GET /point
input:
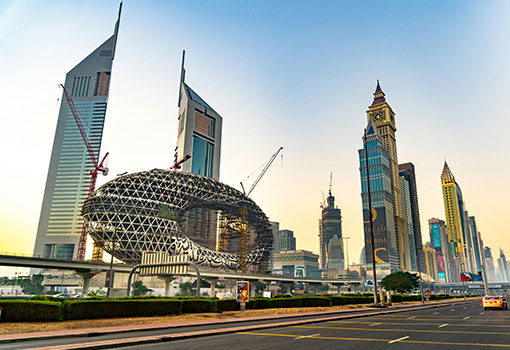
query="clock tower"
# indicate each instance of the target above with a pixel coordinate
(384, 117)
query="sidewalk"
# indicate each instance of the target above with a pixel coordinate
(175, 323)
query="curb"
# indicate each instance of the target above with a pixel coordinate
(181, 336)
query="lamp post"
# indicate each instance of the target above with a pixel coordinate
(370, 215)
(110, 285)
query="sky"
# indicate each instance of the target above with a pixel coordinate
(297, 74)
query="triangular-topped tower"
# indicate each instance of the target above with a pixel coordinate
(447, 175)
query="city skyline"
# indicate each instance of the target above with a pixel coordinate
(269, 100)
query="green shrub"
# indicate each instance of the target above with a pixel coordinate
(197, 305)
(87, 309)
(227, 305)
(315, 301)
(29, 310)
(285, 302)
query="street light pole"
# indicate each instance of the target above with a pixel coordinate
(370, 216)
(110, 285)
(347, 257)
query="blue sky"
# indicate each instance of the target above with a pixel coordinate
(281, 73)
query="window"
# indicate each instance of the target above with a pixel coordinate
(202, 157)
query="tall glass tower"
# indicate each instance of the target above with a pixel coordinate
(379, 171)
(68, 181)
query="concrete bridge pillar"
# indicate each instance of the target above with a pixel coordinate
(212, 282)
(86, 275)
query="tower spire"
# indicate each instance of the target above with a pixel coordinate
(116, 30)
(447, 175)
(183, 76)
(330, 182)
(378, 95)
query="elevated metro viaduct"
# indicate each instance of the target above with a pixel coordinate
(87, 269)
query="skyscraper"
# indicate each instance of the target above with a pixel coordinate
(199, 136)
(331, 246)
(477, 241)
(489, 263)
(408, 172)
(453, 217)
(285, 241)
(408, 216)
(382, 201)
(502, 266)
(384, 118)
(68, 181)
(439, 242)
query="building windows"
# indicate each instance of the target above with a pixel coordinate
(202, 157)
(59, 251)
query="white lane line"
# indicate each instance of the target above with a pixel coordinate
(374, 324)
(467, 317)
(399, 339)
(465, 307)
(443, 325)
(410, 318)
(307, 336)
(481, 313)
(452, 310)
(436, 313)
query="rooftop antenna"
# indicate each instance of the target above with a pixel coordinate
(183, 75)
(330, 182)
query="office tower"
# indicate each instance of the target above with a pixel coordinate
(297, 263)
(285, 241)
(199, 136)
(453, 218)
(439, 242)
(199, 133)
(477, 244)
(408, 172)
(408, 216)
(68, 181)
(466, 234)
(430, 262)
(489, 264)
(381, 195)
(331, 246)
(384, 118)
(502, 266)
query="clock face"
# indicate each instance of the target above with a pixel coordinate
(378, 115)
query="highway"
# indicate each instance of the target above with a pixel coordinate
(465, 326)
(460, 326)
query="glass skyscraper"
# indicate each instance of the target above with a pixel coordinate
(69, 174)
(382, 201)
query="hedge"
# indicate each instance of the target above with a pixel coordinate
(227, 305)
(29, 310)
(87, 309)
(191, 306)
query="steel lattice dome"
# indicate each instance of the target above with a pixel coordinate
(174, 212)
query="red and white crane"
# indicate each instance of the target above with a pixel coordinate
(98, 167)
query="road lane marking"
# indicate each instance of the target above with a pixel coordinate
(481, 313)
(443, 325)
(466, 318)
(465, 307)
(429, 324)
(401, 330)
(436, 313)
(399, 339)
(410, 318)
(374, 324)
(452, 310)
(308, 336)
(477, 345)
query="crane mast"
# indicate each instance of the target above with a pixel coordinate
(97, 168)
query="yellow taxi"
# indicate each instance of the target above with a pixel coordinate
(494, 302)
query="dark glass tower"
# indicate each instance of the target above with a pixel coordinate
(331, 249)
(382, 201)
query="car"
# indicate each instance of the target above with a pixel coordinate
(62, 295)
(494, 302)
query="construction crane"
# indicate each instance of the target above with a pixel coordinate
(268, 164)
(98, 168)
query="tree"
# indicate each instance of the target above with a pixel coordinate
(400, 281)
(32, 286)
(186, 288)
(140, 289)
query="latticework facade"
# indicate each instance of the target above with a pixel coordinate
(147, 212)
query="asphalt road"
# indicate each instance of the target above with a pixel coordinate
(452, 327)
